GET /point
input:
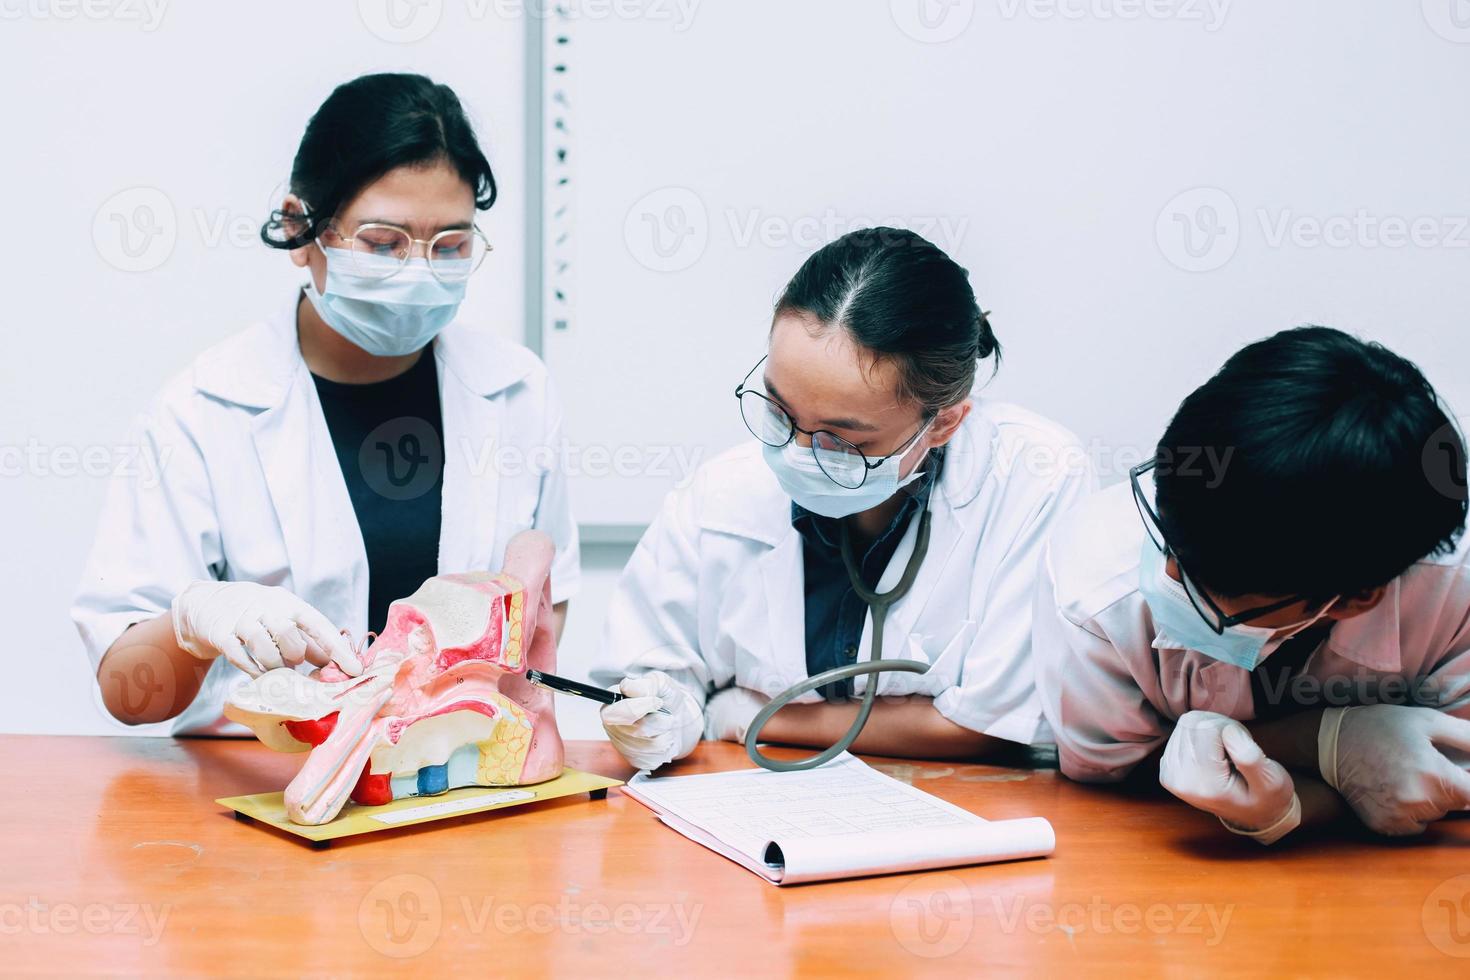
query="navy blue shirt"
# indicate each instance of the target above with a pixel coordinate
(834, 611)
(389, 438)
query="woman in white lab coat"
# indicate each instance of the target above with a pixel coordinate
(305, 472)
(864, 415)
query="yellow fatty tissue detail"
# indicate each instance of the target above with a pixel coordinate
(503, 754)
(515, 613)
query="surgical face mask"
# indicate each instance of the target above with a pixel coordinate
(802, 479)
(1181, 625)
(390, 316)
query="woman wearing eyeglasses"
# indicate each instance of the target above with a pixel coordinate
(877, 482)
(306, 472)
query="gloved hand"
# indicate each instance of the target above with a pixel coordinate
(257, 628)
(1386, 762)
(728, 714)
(646, 737)
(1212, 763)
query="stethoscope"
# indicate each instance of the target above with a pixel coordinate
(878, 605)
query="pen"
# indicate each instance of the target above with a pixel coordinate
(567, 686)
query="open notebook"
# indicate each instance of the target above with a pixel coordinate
(842, 820)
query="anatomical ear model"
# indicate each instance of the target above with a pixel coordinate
(442, 700)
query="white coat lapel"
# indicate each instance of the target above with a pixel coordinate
(471, 488)
(318, 525)
(944, 537)
(476, 373)
(785, 592)
(261, 369)
(952, 501)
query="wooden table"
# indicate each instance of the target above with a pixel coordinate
(117, 860)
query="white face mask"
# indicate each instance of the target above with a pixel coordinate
(390, 316)
(1181, 625)
(804, 482)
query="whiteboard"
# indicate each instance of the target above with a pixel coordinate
(1136, 188)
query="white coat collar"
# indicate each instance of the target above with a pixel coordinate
(742, 497)
(1373, 639)
(256, 367)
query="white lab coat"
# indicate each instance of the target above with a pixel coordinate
(1113, 685)
(238, 480)
(714, 592)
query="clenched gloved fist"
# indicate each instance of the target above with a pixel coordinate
(1212, 763)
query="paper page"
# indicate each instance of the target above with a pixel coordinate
(753, 863)
(823, 858)
(841, 820)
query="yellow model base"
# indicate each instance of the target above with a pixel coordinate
(270, 808)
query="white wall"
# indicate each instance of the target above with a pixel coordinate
(601, 565)
(1069, 153)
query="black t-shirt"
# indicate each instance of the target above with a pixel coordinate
(389, 438)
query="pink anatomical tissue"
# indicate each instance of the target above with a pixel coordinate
(442, 701)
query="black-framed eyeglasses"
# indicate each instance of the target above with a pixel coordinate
(1216, 619)
(839, 460)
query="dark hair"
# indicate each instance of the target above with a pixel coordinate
(366, 128)
(900, 297)
(1313, 464)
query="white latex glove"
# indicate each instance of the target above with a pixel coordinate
(257, 628)
(646, 737)
(728, 714)
(1386, 762)
(1213, 764)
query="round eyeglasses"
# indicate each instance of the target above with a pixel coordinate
(380, 251)
(839, 460)
(1216, 618)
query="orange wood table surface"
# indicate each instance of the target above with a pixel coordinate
(117, 860)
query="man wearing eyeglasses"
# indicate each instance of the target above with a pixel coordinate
(1276, 607)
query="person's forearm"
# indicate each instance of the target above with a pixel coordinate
(1291, 741)
(910, 728)
(145, 677)
(1321, 805)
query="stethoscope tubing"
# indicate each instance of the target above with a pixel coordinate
(878, 605)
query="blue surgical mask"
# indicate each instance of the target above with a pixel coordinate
(387, 317)
(803, 481)
(1181, 625)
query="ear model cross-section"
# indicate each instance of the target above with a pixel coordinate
(442, 701)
